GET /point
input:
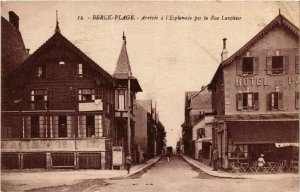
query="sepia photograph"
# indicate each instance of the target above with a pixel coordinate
(144, 96)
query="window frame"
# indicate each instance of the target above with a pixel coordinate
(280, 69)
(91, 94)
(33, 94)
(244, 72)
(276, 101)
(121, 101)
(252, 102)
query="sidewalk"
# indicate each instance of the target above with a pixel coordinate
(223, 174)
(30, 179)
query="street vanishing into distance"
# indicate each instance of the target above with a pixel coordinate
(177, 176)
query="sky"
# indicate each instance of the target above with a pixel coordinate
(167, 57)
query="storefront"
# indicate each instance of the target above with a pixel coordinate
(245, 138)
(277, 140)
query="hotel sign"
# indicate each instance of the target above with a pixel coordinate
(263, 81)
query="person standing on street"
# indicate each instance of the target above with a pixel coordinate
(168, 155)
(128, 163)
(215, 159)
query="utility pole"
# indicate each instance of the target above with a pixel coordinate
(129, 114)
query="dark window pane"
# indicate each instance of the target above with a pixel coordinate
(247, 65)
(277, 65)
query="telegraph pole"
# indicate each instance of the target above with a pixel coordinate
(129, 114)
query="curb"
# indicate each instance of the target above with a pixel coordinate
(218, 176)
(145, 168)
(224, 176)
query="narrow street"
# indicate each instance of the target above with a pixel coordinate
(177, 175)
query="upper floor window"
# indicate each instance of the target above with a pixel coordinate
(43, 71)
(276, 99)
(247, 101)
(86, 94)
(121, 101)
(277, 65)
(80, 70)
(247, 66)
(83, 70)
(39, 95)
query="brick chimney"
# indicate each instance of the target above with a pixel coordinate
(224, 54)
(14, 19)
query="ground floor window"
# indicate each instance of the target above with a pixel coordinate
(54, 126)
(90, 126)
(35, 128)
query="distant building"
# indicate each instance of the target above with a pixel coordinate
(143, 118)
(149, 131)
(191, 116)
(202, 130)
(255, 93)
(197, 104)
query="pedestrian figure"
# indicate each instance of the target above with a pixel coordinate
(260, 162)
(168, 155)
(215, 159)
(128, 163)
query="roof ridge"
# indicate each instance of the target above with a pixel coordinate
(279, 19)
(71, 46)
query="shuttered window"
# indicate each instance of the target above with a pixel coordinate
(247, 101)
(277, 65)
(276, 101)
(247, 66)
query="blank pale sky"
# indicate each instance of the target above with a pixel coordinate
(167, 57)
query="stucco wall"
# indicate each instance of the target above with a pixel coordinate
(277, 39)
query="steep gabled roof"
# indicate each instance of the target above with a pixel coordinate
(280, 20)
(13, 51)
(58, 37)
(123, 69)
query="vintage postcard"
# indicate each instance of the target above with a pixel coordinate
(150, 96)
